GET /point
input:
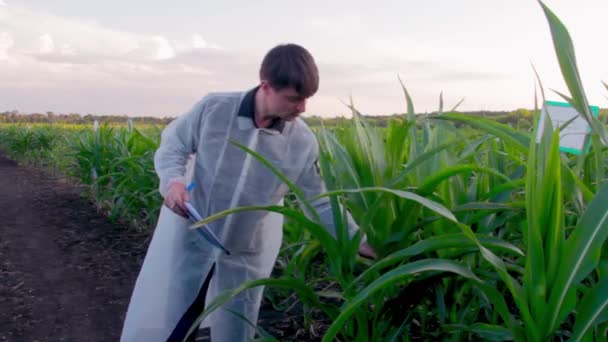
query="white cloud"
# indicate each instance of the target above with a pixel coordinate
(337, 25)
(67, 49)
(164, 48)
(111, 71)
(2, 3)
(86, 38)
(6, 42)
(198, 42)
(46, 44)
(195, 42)
(49, 39)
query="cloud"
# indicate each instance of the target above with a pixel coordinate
(50, 55)
(77, 65)
(88, 39)
(164, 48)
(466, 75)
(336, 25)
(69, 41)
(67, 49)
(6, 42)
(198, 42)
(46, 44)
(2, 3)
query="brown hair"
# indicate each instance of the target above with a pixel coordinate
(291, 65)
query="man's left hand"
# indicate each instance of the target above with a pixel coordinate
(365, 250)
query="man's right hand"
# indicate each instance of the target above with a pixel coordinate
(175, 197)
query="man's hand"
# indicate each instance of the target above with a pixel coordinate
(175, 197)
(367, 251)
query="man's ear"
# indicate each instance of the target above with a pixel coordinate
(264, 85)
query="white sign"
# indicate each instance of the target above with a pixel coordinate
(572, 138)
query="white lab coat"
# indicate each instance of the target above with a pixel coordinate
(178, 259)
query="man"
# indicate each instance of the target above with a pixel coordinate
(178, 261)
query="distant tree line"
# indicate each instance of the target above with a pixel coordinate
(15, 116)
(519, 118)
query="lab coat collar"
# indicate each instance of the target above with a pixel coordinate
(246, 110)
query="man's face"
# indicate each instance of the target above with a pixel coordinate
(285, 104)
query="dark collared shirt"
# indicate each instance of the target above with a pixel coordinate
(247, 110)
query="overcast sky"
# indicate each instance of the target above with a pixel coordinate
(149, 57)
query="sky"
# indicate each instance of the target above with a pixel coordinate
(150, 57)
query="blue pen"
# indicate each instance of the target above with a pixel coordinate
(204, 230)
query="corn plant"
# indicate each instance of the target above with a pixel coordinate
(512, 176)
(118, 167)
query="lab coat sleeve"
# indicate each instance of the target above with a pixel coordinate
(311, 184)
(179, 140)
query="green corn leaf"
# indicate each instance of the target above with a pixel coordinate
(491, 332)
(434, 206)
(388, 279)
(282, 177)
(300, 287)
(581, 254)
(591, 309)
(564, 50)
(520, 140)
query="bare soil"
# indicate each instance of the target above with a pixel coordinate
(66, 271)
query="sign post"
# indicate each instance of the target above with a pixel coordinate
(573, 138)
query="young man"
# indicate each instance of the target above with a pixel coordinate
(265, 119)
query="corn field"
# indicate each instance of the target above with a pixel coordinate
(484, 233)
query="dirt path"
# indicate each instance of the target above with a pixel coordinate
(66, 273)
